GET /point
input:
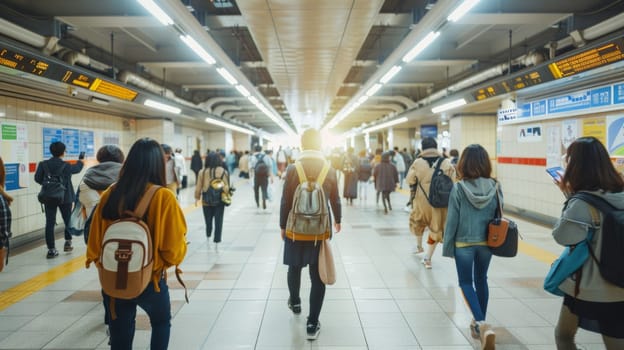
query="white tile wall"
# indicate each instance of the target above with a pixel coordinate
(26, 210)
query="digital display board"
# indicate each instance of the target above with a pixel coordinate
(596, 57)
(29, 63)
(588, 59)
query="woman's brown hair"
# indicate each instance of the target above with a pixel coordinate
(2, 173)
(474, 163)
(590, 168)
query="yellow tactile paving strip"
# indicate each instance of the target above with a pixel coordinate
(27, 288)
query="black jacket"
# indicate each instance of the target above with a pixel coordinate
(54, 166)
(312, 167)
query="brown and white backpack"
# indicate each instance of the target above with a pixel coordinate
(126, 258)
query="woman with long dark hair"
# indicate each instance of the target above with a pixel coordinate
(213, 170)
(590, 301)
(144, 167)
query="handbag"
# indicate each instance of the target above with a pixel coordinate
(570, 262)
(226, 198)
(326, 267)
(502, 235)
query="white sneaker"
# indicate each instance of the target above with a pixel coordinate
(407, 209)
(427, 263)
(488, 337)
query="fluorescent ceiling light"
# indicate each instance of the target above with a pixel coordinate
(426, 41)
(242, 90)
(99, 101)
(162, 106)
(156, 11)
(229, 126)
(362, 99)
(194, 45)
(253, 100)
(373, 89)
(391, 73)
(461, 10)
(385, 125)
(227, 76)
(450, 105)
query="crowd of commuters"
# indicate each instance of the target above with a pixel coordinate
(114, 186)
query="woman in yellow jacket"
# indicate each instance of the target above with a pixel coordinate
(213, 211)
(144, 167)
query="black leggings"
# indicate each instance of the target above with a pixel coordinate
(385, 195)
(317, 292)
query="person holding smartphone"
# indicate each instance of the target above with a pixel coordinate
(51, 167)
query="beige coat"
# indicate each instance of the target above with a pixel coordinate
(203, 181)
(423, 214)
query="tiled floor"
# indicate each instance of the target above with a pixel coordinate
(383, 299)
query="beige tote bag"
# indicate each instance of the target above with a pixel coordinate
(326, 267)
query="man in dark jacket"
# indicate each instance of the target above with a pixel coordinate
(56, 165)
(299, 253)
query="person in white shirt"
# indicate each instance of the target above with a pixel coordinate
(172, 171)
(180, 163)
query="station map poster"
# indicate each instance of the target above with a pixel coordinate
(595, 127)
(553, 148)
(75, 140)
(14, 150)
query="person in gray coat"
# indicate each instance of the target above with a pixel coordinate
(472, 204)
(592, 302)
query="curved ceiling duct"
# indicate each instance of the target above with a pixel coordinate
(207, 105)
(219, 110)
(405, 101)
(388, 106)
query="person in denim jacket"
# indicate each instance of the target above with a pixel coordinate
(473, 204)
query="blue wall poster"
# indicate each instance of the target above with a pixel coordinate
(429, 131)
(14, 149)
(50, 135)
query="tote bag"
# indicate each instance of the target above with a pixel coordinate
(326, 267)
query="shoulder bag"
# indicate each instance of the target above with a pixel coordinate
(502, 234)
(326, 266)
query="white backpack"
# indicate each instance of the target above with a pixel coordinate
(126, 258)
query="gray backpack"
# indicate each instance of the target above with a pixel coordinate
(308, 219)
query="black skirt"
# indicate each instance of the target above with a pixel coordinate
(603, 318)
(301, 253)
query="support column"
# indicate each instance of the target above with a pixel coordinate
(161, 130)
(466, 130)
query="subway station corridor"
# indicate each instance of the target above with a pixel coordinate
(383, 299)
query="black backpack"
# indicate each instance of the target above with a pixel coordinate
(212, 196)
(52, 188)
(440, 187)
(366, 169)
(261, 169)
(611, 257)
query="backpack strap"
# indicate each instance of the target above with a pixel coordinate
(141, 208)
(321, 177)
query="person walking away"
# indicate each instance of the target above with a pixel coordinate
(365, 171)
(230, 161)
(172, 170)
(243, 166)
(196, 163)
(590, 301)
(399, 162)
(56, 166)
(261, 167)
(144, 168)
(212, 211)
(5, 217)
(454, 156)
(423, 215)
(282, 161)
(472, 205)
(180, 163)
(376, 160)
(350, 168)
(299, 253)
(386, 179)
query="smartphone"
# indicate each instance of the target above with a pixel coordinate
(81, 155)
(555, 172)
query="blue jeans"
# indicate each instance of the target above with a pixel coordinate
(158, 308)
(472, 264)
